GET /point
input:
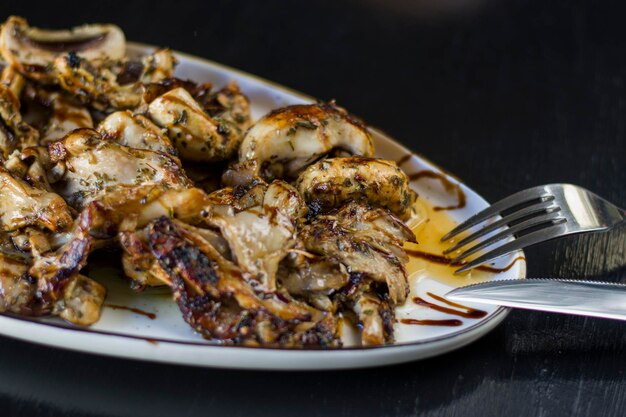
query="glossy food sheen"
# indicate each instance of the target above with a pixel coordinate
(116, 326)
(490, 90)
(286, 228)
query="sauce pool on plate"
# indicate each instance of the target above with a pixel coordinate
(426, 261)
(427, 256)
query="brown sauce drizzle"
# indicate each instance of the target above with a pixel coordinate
(488, 268)
(447, 184)
(468, 313)
(404, 159)
(440, 259)
(449, 323)
(151, 316)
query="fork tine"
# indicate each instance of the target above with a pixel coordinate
(499, 206)
(547, 206)
(532, 238)
(545, 219)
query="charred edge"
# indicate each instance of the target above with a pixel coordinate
(73, 60)
(178, 257)
(154, 90)
(70, 262)
(130, 73)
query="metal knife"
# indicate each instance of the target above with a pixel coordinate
(585, 298)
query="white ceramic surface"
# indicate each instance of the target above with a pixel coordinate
(167, 338)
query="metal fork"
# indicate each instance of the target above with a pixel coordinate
(532, 216)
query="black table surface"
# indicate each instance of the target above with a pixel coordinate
(505, 94)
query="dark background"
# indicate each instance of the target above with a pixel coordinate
(505, 94)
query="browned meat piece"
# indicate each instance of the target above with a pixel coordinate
(259, 223)
(13, 80)
(187, 205)
(376, 317)
(88, 167)
(218, 300)
(227, 105)
(17, 290)
(306, 231)
(288, 139)
(313, 274)
(32, 51)
(153, 90)
(313, 278)
(55, 269)
(82, 301)
(332, 182)
(96, 226)
(121, 210)
(23, 205)
(88, 62)
(67, 115)
(369, 242)
(138, 262)
(135, 131)
(15, 134)
(96, 82)
(200, 134)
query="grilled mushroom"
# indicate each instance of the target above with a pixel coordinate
(259, 225)
(287, 140)
(14, 132)
(306, 230)
(32, 51)
(332, 182)
(198, 135)
(89, 167)
(24, 205)
(135, 131)
(17, 292)
(218, 299)
(367, 241)
(67, 116)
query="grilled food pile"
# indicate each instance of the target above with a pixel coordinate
(268, 233)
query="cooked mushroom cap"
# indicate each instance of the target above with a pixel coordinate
(23, 205)
(14, 132)
(31, 50)
(135, 131)
(196, 135)
(334, 181)
(92, 167)
(288, 139)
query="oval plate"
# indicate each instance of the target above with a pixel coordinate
(167, 338)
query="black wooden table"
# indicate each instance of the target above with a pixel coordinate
(505, 94)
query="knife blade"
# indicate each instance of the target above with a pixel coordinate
(585, 298)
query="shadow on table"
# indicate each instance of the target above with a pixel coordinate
(516, 369)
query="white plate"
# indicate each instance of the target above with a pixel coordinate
(167, 338)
